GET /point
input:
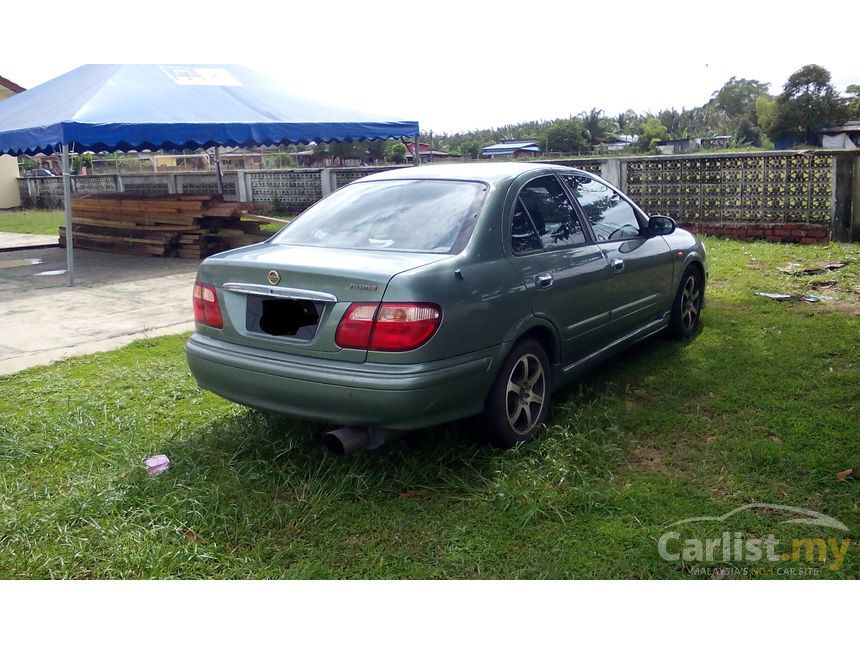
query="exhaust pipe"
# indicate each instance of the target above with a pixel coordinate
(349, 439)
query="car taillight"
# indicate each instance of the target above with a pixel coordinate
(206, 309)
(353, 331)
(400, 327)
(388, 327)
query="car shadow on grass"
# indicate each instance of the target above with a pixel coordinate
(254, 487)
(269, 454)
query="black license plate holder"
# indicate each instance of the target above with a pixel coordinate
(285, 317)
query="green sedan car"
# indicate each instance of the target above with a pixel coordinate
(418, 296)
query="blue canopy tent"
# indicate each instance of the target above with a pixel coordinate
(102, 108)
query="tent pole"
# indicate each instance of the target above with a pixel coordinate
(218, 178)
(416, 152)
(67, 205)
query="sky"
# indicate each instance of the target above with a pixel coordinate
(452, 66)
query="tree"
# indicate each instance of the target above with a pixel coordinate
(853, 102)
(375, 149)
(627, 122)
(765, 111)
(471, 148)
(28, 163)
(747, 134)
(343, 150)
(566, 135)
(651, 131)
(396, 151)
(83, 160)
(671, 120)
(597, 126)
(738, 96)
(808, 103)
(320, 152)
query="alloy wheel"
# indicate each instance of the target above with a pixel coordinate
(690, 303)
(525, 395)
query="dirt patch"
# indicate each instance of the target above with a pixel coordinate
(844, 307)
(823, 284)
(839, 298)
(651, 458)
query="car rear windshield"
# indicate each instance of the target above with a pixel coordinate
(419, 215)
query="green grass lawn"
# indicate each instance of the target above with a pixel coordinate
(762, 406)
(33, 221)
(274, 227)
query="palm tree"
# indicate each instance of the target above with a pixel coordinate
(597, 126)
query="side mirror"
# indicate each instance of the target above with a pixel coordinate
(660, 225)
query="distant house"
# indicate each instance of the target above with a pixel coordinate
(9, 195)
(617, 143)
(512, 149)
(691, 144)
(180, 162)
(714, 143)
(678, 146)
(426, 154)
(845, 136)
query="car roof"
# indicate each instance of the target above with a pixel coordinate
(489, 171)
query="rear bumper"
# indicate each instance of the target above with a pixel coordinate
(370, 394)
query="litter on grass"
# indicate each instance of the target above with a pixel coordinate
(157, 464)
(53, 272)
(807, 297)
(793, 268)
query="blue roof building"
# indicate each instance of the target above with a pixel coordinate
(512, 149)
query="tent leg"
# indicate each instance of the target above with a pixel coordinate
(416, 152)
(67, 204)
(219, 179)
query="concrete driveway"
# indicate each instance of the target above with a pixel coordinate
(26, 241)
(118, 298)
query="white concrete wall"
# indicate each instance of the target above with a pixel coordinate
(10, 197)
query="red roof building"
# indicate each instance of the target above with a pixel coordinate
(8, 88)
(425, 153)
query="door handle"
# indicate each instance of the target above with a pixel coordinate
(617, 265)
(543, 280)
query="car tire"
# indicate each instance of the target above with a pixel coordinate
(519, 401)
(687, 305)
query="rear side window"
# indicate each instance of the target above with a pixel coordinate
(418, 215)
(524, 237)
(544, 218)
(610, 216)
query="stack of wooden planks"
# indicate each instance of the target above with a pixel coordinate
(186, 226)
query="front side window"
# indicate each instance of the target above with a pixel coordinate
(417, 215)
(610, 215)
(544, 218)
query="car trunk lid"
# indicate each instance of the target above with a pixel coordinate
(291, 298)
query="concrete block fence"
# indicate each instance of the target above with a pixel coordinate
(790, 196)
